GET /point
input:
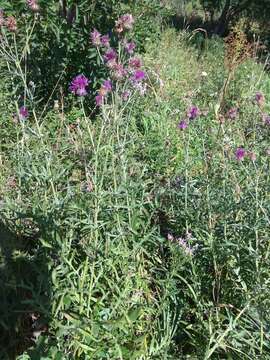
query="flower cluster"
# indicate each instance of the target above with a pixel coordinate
(193, 112)
(9, 22)
(23, 113)
(241, 154)
(183, 243)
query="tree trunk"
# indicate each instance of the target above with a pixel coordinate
(224, 19)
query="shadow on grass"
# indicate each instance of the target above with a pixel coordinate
(25, 293)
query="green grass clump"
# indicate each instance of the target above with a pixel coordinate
(127, 238)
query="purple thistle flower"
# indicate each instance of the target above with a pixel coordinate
(193, 112)
(259, 98)
(125, 22)
(2, 18)
(95, 37)
(126, 95)
(23, 113)
(33, 5)
(182, 242)
(105, 41)
(183, 124)
(119, 72)
(99, 100)
(78, 85)
(110, 55)
(135, 63)
(130, 47)
(107, 85)
(240, 153)
(266, 119)
(232, 113)
(138, 75)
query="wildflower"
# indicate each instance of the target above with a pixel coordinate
(240, 153)
(110, 55)
(95, 38)
(105, 88)
(138, 75)
(183, 124)
(252, 156)
(266, 119)
(119, 72)
(105, 41)
(130, 47)
(2, 19)
(11, 23)
(99, 100)
(33, 5)
(125, 22)
(232, 113)
(135, 63)
(78, 85)
(260, 99)
(140, 87)
(125, 95)
(193, 112)
(23, 113)
(204, 74)
(182, 242)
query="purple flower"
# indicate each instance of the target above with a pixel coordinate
(240, 153)
(130, 47)
(11, 23)
(33, 5)
(78, 85)
(183, 124)
(266, 119)
(110, 55)
(125, 22)
(95, 37)
(105, 41)
(138, 75)
(107, 85)
(2, 19)
(232, 113)
(126, 95)
(135, 63)
(119, 72)
(183, 243)
(99, 100)
(259, 98)
(193, 112)
(23, 113)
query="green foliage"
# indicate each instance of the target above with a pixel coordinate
(96, 208)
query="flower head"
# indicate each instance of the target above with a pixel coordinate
(33, 5)
(232, 113)
(105, 41)
(95, 37)
(259, 98)
(11, 23)
(105, 88)
(110, 55)
(119, 72)
(99, 100)
(126, 95)
(125, 22)
(135, 63)
(240, 153)
(23, 113)
(138, 76)
(183, 124)
(130, 47)
(193, 112)
(252, 156)
(266, 119)
(2, 19)
(78, 85)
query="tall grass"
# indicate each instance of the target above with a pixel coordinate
(144, 241)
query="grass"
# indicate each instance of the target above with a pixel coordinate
(92, 209)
